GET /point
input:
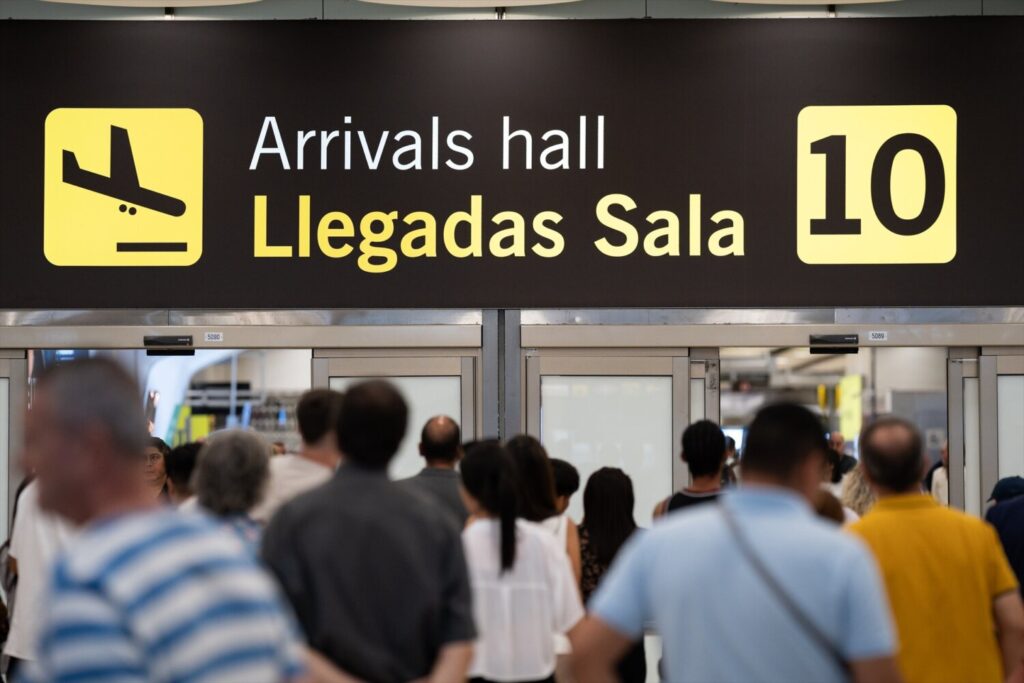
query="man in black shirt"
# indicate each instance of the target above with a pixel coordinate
(704, 453)
(375, 573)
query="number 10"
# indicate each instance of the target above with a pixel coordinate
(836, 222)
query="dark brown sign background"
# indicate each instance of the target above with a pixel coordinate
(705, 107)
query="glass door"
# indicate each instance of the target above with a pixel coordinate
(432, 385)
(13, 401)
(613, 411)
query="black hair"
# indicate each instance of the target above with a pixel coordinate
(730, 443)
(371, 424)
(489, 475)
(835, 459)
(781, 438)
(317, 413)
(161, 445)
(536, 479)
(704, 448)
(567, 478)
(439, 440)
(180, 463)
(898, 464)
(608, 512)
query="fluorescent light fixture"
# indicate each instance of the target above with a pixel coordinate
(804, 2)
(155, 3)
(468, 4)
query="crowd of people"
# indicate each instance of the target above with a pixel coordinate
(221, 562)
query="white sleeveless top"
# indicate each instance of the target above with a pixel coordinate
(559, 528)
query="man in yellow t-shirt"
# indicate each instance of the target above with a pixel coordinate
(954, 597)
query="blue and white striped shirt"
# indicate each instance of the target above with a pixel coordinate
(163, 597)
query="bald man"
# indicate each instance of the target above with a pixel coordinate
(441, 447)
(954, 597)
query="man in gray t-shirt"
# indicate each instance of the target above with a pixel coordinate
(376, 574)
(441, 447)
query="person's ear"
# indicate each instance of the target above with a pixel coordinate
(420, 448)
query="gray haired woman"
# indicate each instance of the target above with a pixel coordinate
(231, 477)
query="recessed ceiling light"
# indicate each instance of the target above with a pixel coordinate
(468, 4)
(155, 3)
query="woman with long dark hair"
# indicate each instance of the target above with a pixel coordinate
(537, 495)
(523, 587)
(607, 524)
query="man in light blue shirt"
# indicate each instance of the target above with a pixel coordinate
(695, 577)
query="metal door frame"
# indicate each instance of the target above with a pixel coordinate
(14, 368)
(463, 363)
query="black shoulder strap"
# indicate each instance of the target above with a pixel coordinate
(780, 593)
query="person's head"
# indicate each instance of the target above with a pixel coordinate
(944, 454)
(84, 437)
(536, 479)
(704, 449)
(832, 472)
(441, 442)
(836, 441)
(1006, 489)
(730, 447)
(608, 511)
(785, 447)
(828, 507)
(278, 448)
(371, 424)
(231, 472)
(155, 468)
(567, 482)
(856, 493)
(317, 413)
(490, 488)
(892, 455)
(181, 463)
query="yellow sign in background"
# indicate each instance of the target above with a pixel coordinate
(851, 405)
(865, 130)
(97, 214)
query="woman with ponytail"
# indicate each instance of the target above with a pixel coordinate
(524, 590)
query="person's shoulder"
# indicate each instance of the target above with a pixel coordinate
(282, 463)
(981, 529)
(108, 545)
(536, 530)
(688, 520)
(1006, 511)
(533, 534)
(411, 479)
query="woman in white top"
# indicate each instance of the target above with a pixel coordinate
(524, 591)
(537, 495)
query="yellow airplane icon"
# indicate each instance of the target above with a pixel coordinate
(145, 209)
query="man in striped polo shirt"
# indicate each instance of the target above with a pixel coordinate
(144, 593)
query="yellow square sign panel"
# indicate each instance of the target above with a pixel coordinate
(123, 187)
(876, 184)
